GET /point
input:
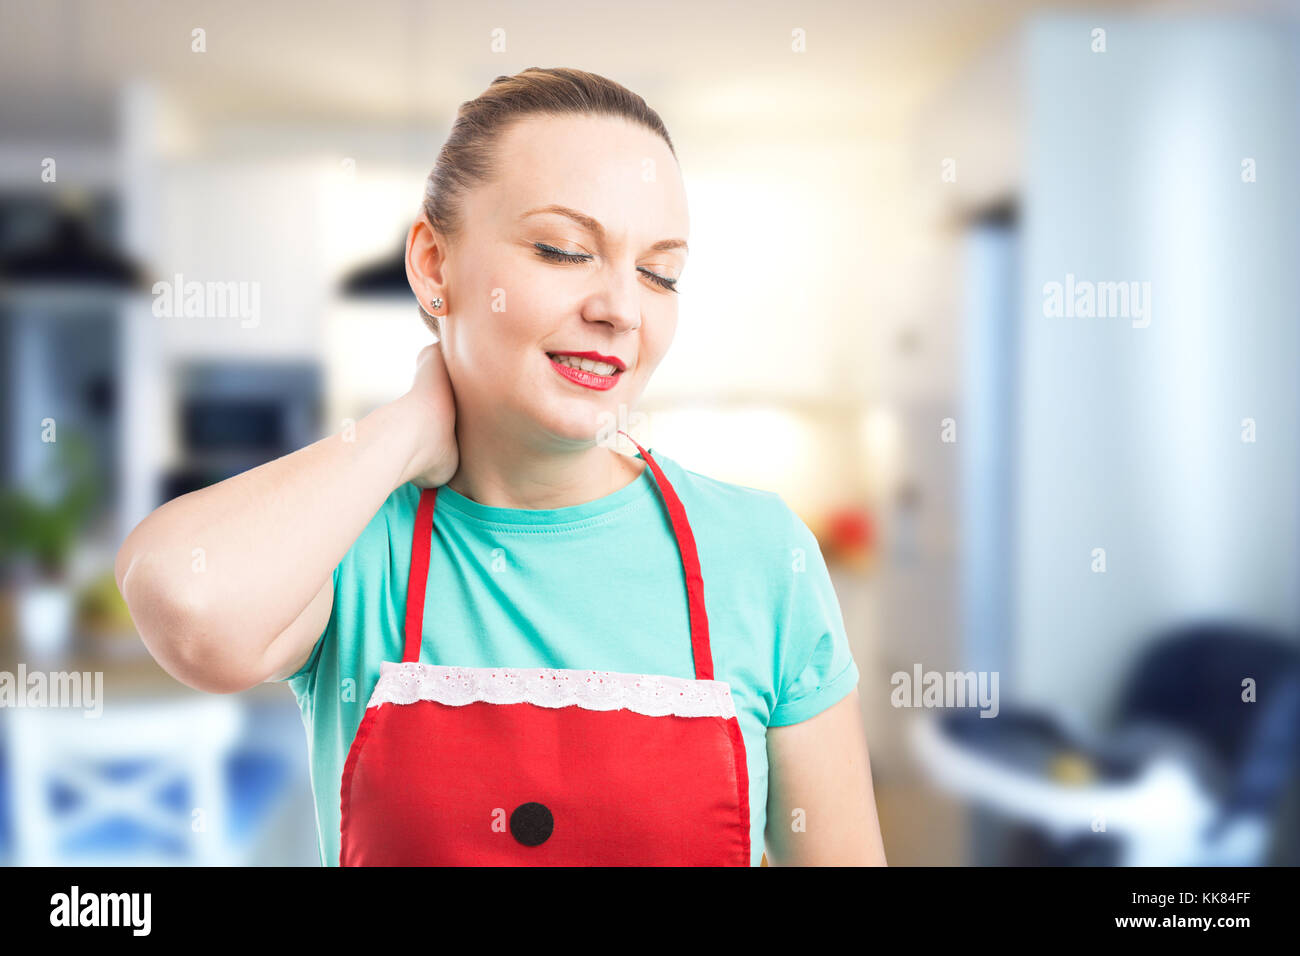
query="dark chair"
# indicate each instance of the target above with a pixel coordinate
(1180, 722)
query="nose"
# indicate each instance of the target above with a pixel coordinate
(617, 300)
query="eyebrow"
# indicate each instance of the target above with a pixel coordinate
(596, 229)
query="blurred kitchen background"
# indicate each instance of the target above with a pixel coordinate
(1100, 512)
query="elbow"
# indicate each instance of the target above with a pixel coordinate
(180, 632)
(200, 660)
(210, 673)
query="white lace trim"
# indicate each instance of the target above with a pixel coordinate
(654, 695)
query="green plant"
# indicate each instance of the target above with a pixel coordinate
(101, 607)
(45, 531)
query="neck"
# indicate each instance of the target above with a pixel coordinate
(501, 471)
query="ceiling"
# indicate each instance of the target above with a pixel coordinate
(867, 65)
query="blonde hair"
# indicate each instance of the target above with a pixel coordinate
(468, 157)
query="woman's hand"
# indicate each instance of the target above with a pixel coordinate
(430, 410)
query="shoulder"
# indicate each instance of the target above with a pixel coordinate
(401, 502)
(393, 521)
(397, 511)
(695, 486)
(758, 517)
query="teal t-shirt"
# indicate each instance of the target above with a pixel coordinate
(595, 586)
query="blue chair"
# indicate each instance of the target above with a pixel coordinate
(140, 784)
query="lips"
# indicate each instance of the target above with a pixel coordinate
(603, 373)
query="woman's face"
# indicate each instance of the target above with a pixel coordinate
(525, 279)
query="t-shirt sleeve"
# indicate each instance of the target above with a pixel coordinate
(816, 666)
(363, 568)
(299, 677)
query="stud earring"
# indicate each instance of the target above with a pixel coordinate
(436, 303)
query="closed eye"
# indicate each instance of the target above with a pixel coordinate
(657, 279)
(559, 255)
(550, 252)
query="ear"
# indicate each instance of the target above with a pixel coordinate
(426, 256)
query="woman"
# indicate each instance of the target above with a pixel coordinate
(512, 644)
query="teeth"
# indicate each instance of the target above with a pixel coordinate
(589, 365)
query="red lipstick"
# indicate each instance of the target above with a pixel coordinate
(587, 379)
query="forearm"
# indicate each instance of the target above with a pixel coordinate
(212, 577)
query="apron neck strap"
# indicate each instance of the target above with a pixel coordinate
(690, 565)
(699, 617)
(419, 578)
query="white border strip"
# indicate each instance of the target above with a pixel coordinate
(654, 695)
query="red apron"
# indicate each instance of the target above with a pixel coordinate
(508, 766)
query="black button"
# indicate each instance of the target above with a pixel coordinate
(531, 823)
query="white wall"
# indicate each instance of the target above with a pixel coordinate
(1130, 438)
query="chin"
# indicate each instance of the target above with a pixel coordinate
(581, 424)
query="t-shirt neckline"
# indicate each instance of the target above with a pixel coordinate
(631, 493)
